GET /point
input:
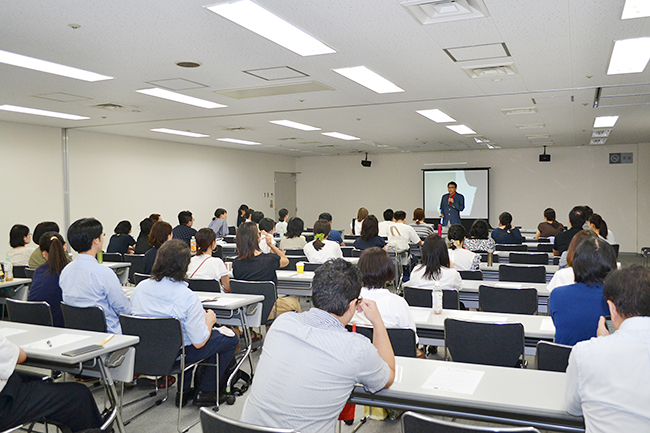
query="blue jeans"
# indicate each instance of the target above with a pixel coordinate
(218, 343)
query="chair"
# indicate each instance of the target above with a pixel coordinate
(294, 252)
(507, 300)
(29, 273)
(311, 267)
(113, 257)
(212, 422)
(34, 313)
(218, 252)
(137, 277)
(529, 258)
(204, 285)
(544, 240)
(512, 247)
(264, 288)
(293, 260)
(347, 251)
(415, 423)
(402, 340)
(19, 271)
(417, 297)
(484, 343)
(616, 248)
(157, 353)
(552, 356)
(471, 275)
(356, 253)
(232, 230)
(137, 265)
(84, 318)
(545, 248)
(527, 274)
(484, 257)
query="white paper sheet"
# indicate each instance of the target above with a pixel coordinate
(56, 341)
(509, 285)
(547, 324)
(421, 315)
(489, 319)
(8, 332)
(454, 380)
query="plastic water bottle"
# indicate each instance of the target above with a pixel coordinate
(193, 245)
(437, 299)
(439, 229)
(9, 270)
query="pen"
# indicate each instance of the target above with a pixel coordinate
(107, 339)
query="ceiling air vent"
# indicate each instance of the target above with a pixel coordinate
(601, 134)
(498, 71)
(442, 11)
(513, 111)
(109, 106)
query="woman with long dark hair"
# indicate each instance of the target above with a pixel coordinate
(435, 268)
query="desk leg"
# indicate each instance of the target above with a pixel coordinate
(249, 348)
(113, 397)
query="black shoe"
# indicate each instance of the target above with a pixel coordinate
(187, 396)
(205, 398)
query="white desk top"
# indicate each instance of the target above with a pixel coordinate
(550, 269)
(116, 265)
(15, 282)
(227, 301)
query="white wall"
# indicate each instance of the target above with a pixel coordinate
(519, 184)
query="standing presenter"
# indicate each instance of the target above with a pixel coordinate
(451, 205)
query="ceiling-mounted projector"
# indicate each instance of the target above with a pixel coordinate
(365, 162)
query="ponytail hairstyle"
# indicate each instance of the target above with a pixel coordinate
(505, 219)
(53, 243)
(321, 232)
(456, 236)
(600, 224)
(204, 239)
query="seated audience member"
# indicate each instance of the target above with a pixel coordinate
(598, 225)
(219, 223)
(421, 228)
(320, 249)
(241, 214)
(281, 226)
(355, 225)
(549, 227)
(36, 259)
(25, 399)
(479, 238)
(142, 244)
(388, 221)
(460, 258)
(506, 233)
(45, 282)
(563, 239)
(575, 308)
(86, 283)
(334, 235)
(252, 264)
(401, 230)
(19, 238)
(160, 233)
(121, 242)
(184, 230)
(267, 228)
(155, 217)
(205, 267)
(587, 212)
(605, 375)
(435, 269)
(166, 294)
(257, 216)
(293, 239)
(564, 276)
(314, 348)
(369, 235)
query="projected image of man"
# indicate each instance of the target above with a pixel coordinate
(451, 205)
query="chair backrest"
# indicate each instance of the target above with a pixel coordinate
(34, 313)
(213, 422)
(484, 257)
(529, 258)
(356, 253)
(417, 297)
(485, 343)
(113, 257)
(616, 248)
(527, 274)
(264, 288)
(402, 340)
(545, 248)
(552, 356)
(19, 271)
(507, 300)
(204, 285)
(512, 247)
(471, 275)
(232, 230)
(544, 240)
(218, 252)
(137, 277)
(293, 260)
(416, 423)
(347, 251)
(84, 318)
(160, 341)
(311, 267)
(137, 265)
(29, 273)
(294, 252)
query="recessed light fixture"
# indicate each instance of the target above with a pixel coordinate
(367, 78)
(38, 112)
(436, 115)
(461, 129)
(236, 141)
(629, 56)
(176, 132)
(49, 67)
(601, 133)
(296, 125)
(635, 9)
(605, 121)
(340, 136)
(178, 97)
(480, 140)
(258, 20)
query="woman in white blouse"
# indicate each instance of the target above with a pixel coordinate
(460, 258)
(320, 249)
(205, 267)
(435, 269)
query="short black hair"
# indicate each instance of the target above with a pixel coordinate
(123, 228)
(505, 219)
(479, 230)
(172, 261)
(400, 215)
(577, 217)
(629, 290)
(184, 217)
(456, 232)
(219, 212)
(335, 284)
(83, 232)
(549, 214)
(145, 226)
(377, 268)
(266, 224)
(283, 213)
(388, 215)
(257, 216)
(452, 183)
(295, 228)
(325, 216)
(17, 235)
(44, 227)
(593, 260)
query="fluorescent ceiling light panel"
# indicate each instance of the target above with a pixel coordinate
(461, 129)
(176, 132)
(629, 56)
(38, 112)
(178, 97)
(258, 20)
(236, 141)
(436, 115)
(340, 136)
(605, 121)
(295, 125)
(636, 9)
(367, 78)
(49, 67)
